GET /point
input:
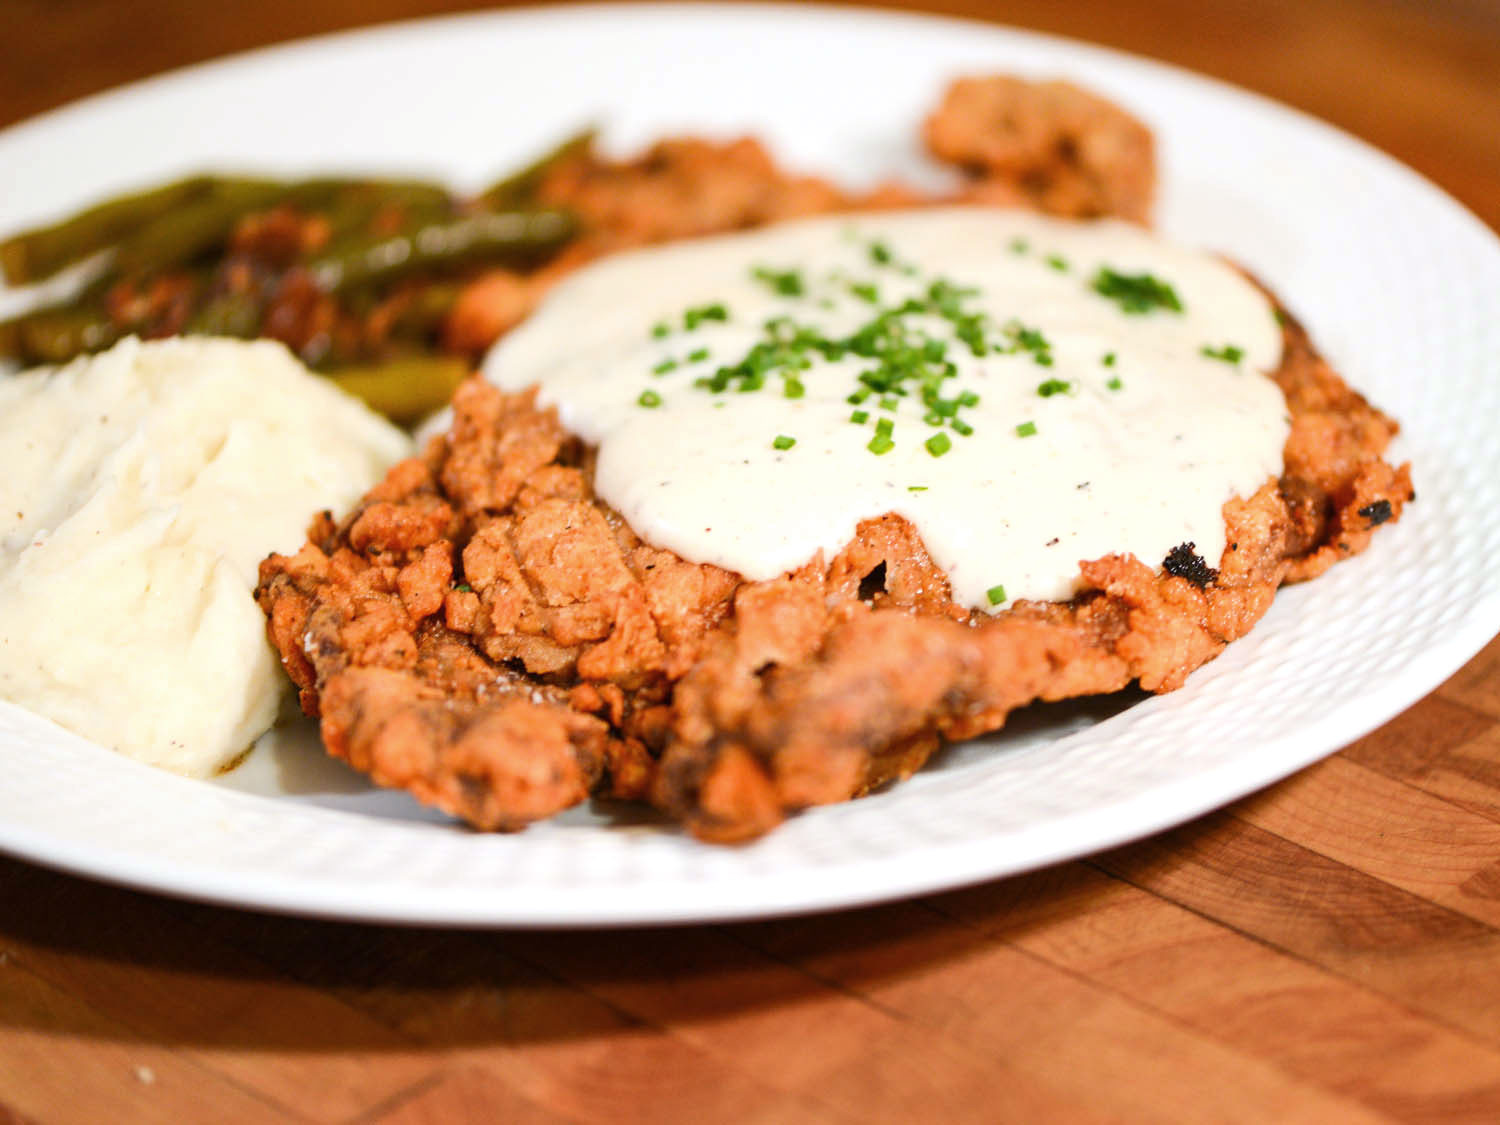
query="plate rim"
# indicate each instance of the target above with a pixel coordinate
(312, 897)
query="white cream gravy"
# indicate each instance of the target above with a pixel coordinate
(1137, 455)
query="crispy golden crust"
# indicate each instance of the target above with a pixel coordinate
(1059, 148)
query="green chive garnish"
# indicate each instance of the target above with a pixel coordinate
(784, 283)
(696, 316)
(938, 444)
(1229, 353)
(1135, 293)
(783, 442)
(1113, 383)
(996, 594)
(1026, 429)
(860, 417)
(649, 399)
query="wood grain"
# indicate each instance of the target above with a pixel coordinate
(1325, 951)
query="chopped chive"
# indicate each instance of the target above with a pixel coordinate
(860, 417)
(697, 315)
(793, 388)
(1113, 383)
(996, 594)
(880, 253)
(865, 292)
(1026, 429)
(881, 443)
(933, 418)
(889, 402)
(784, 283)
(1109, 359)
(938, 444)
(916, 488)
(1135, 293)
(664, 366)
(1053, 387)
(661, 329)
(968, 398)
(783, 442)
(1019, 246)
(464, 588)
(697, 355)
(961, 427)
(649, 399)
(1058, 262)
(858, 396)
(1229, 353)
(884, 426)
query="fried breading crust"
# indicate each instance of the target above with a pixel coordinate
(1052, 145)
(485, 632)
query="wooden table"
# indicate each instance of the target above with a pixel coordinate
(1326, 951)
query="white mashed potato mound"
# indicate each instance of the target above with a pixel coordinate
(140, 490)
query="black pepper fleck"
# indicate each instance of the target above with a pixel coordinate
(1184, 561)
(1377, 513)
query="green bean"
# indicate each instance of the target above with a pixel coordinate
(519, 237)
(195, 228)
(57, 334)
(384, 193)
(406, 389)
(519, 188)
(41, 252)
(206, 223)
(228, 314)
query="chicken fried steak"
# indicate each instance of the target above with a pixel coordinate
(484, 632)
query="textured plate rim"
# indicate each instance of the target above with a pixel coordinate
(939, 866)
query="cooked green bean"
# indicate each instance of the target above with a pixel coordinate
(404, 193)
(519, 188)
(206, 222)
(196, 227)
(507, 236)
(56, 334)
(228, 314)
(407, 389)
(41, 252)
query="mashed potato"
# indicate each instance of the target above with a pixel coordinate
(139, 490)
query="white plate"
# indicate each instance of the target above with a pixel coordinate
(1398, 283)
